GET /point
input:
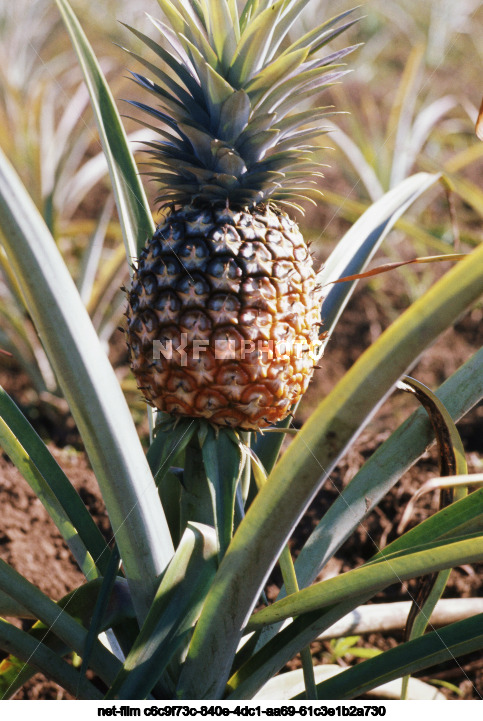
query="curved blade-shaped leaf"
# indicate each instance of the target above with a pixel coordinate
(174, 611)
(434, 648)
(90, 387)
(371, 578)
(101, 606)
(134, 215)
(81, 604)
(286, 685)
(57, 620)
(163, 453)
(179, 70)
(9, 607)
(463, 516)
(322, 34)
(270, 75)
(167, 446)
(360, 243)
(30, 650)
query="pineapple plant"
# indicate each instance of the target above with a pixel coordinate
(194, 586)
(223, 313)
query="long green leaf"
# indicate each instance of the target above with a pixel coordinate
(101, 607)
(134, 215)
(463, 516)
(14, 673)
(371, 578)
(81, 604)
(216, 88)
(421, 653)
(53, 488)
(90, 387)
(291, 12)
(306, 464)
(57, 620)
(163, 453)
(359, 244)
(319, 36)
(429, 591)
(28, 649)
(167, 446)
(9, 607)
(287, 685)
(174, 611)
(290, 583)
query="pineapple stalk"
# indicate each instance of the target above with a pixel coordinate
(195, 504)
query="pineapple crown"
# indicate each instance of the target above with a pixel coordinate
(227, 97)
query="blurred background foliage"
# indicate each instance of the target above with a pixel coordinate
(409, 104)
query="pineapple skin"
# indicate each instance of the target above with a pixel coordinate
(231, 296)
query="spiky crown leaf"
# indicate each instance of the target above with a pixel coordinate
(227, 96)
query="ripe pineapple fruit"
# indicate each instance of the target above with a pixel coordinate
(225, 291)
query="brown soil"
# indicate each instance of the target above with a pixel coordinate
(32, 545)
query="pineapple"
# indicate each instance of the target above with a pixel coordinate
(224, 308)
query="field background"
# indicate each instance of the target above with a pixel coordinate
(409, 104)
